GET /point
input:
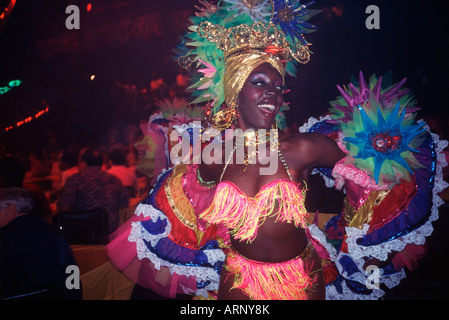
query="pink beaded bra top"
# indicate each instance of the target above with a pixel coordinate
(242, 215)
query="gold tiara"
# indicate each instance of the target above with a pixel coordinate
(258, 37)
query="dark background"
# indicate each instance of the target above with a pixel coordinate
(131, 42)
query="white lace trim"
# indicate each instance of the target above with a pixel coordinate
(329, 182)
(319, 235)
(360, 276)
(311, 122)
(381, 251)
(139, 234)
(149, 211)
(347, 294)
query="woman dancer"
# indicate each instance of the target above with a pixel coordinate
(234, 223)
(270, 256)
(197, 214)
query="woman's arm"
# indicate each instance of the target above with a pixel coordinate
(328, 153)
(313, 150)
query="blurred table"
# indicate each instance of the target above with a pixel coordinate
(46, 183)
(100, 280)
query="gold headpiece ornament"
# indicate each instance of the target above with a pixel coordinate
(257, 38)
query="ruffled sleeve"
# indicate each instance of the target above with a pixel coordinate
(391, 199)
(164, 247)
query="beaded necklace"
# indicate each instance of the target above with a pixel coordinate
(254, 150)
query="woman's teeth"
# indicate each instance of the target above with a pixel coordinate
(268, 107)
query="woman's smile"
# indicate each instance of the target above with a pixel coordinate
(261, 98)
(267, 108)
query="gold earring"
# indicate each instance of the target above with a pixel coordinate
(224, 118)
(220, 121)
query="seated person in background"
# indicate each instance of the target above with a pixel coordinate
(34, 256)
(68, 165)
(37, 168)
(118, 167)
(12, 174)
(92, 188)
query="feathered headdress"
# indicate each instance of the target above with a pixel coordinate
(179, 111)
(221, 34)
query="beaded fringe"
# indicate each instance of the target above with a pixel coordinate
(270, 281)
(243, 215)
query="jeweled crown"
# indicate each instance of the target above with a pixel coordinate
(258, 37)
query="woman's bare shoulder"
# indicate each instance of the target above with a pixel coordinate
(311, 149)
(307, 140)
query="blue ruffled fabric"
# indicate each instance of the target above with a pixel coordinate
(354, 286)
(169, 251)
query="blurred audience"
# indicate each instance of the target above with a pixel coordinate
(53, 168)
(92, 187)
(118, 167)
(68, 165)
(37, 168)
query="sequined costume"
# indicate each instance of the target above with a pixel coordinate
(392, 176)
(163, 247)
(176, 252)
(243, 215)
(392, 172)
(287, 280)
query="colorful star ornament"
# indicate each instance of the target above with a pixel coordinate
(379, 129)
(386, 141)
(205, 58)
(292, 17)
(257, 10)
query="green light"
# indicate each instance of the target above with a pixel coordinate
(15, 83)
(3, 90)
(11, 84)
